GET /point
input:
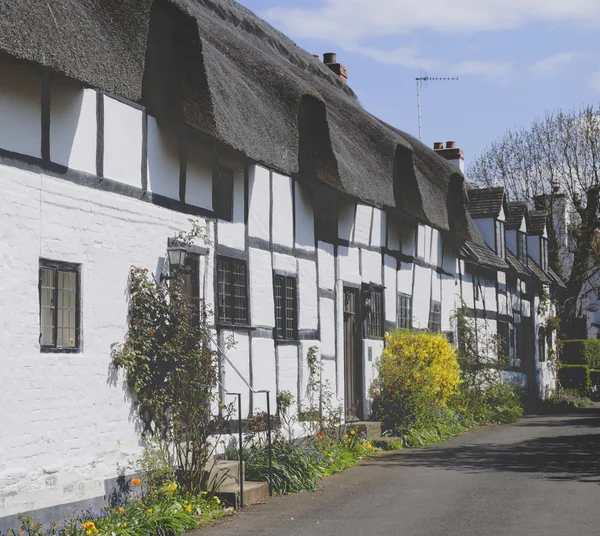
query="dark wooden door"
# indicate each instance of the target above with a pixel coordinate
(527, 353)
(352, 354)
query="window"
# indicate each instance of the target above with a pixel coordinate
(503, 339)
(223, 194)
(191, 284)
(59, 288)
(404, 311)
(541, 345)
(500, 243)
(512, 341)
(232, 298)
(373, 300)
(435, 316)
(285, 307)
(326, 211)
(544, 254)
(522, 247)
(476, 288)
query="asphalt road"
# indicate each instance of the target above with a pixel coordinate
(540, 476)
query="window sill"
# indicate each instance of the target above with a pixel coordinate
(234, 327)
(48, 350)
(287, 342)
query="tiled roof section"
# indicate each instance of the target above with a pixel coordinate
(537, 222)
(482, 255)
(538, 272)
(516, 211)
(485, 202)
(517, 265)
(557, 279)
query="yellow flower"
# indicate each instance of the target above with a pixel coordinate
(121, 509)
(172, 486)
(124, 524)
(352, 431)
(330, 454)
(136, 481)
(149, 511)
(217, 500)
(205, 493)
(345, 437)
(188, 508)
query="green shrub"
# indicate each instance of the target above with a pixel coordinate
(575, 377)
(581, 352)
(485, 403)
(417, 374)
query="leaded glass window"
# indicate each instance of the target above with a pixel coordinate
(59, 288)
(404, 311)
(285, 307)
(435, 316)
(232, 295)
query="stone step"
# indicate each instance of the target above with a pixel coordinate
(221, 473)
(254, 493)
(367, 429)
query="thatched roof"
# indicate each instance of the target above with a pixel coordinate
(221, 69)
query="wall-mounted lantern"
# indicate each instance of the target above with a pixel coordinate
(176, 255)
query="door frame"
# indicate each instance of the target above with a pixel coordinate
(356, 364)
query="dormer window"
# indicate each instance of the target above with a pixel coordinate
(544, 254)
(500, 241)
(522, 247)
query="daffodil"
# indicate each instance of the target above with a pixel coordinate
(149, 511)
(217, 500)
(188, 508)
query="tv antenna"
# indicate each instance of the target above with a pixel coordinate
(421, 81)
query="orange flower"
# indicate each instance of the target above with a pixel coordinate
(136, 481)
(121, 509)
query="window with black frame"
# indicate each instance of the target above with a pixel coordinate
(541, 345)
(544, 254)
(404, 311)
(286, 325)
(435, 316)
(59, 290)
(223, 194)
(232, 292)
(373, 300)
(500, 240)
(522, 247)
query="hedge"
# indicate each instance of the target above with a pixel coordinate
(575, 377)
(581, 352)
(595, 379)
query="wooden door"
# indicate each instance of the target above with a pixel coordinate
(352, 354)
(527, 351)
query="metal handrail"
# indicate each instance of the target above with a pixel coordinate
(267, 393)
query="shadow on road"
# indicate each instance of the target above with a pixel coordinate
(558, 457)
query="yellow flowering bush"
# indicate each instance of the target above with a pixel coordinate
(417, 374)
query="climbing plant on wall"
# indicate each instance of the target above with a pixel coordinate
(171, 370)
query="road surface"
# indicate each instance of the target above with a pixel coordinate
(540, 476)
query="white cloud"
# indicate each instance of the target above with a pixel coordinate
(595, 81)
(553, 65)
(341, 20)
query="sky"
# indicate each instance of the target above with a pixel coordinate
(514, 59)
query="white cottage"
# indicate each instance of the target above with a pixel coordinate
(120, 122)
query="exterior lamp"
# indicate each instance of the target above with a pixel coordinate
(176, 255)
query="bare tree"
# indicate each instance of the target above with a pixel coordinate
(557, 157)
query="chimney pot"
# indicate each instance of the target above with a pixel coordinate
(450, 145)
(438, 145)
(329, 57)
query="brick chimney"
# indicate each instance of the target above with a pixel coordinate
(330, 59)
(451, 152)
